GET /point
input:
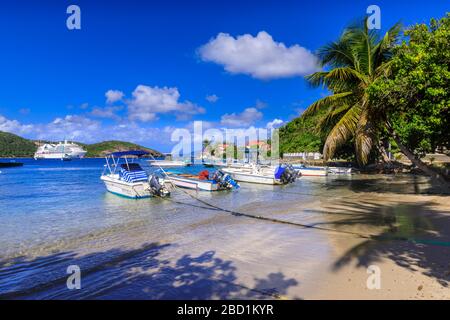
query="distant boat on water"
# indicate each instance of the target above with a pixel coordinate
(311, 171)
(167, 163)
(63, 150)
(340, 170)
(10, 164)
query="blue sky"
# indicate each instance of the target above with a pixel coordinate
(167, 63)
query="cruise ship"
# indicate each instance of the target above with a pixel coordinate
(62, 150)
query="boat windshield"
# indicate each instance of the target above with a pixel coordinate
(131, 166)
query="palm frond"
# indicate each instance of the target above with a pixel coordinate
(336, 54)
(326, 102)
(331, 117)
(384, 69)
(342, 131)
(316, 79)
(346, 74)
(383, 49)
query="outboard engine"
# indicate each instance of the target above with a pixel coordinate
(157, 188)
(286, 173)
(224, 180)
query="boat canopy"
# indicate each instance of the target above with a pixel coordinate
(138, 153)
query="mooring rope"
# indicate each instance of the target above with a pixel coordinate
(367, 236)
(253, 216)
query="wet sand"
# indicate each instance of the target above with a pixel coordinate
(186, 250)
(412, 252)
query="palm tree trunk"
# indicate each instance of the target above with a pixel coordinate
(383, 153)
(436, 176)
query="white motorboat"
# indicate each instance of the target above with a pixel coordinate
(63, 150)
(167, 163)
(218, 181)
(311, 171)
(340, 170)
(282, 174)
(127, 178)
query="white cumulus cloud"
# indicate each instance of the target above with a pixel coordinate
(14, 126)
(260, 56)
(106, 112)
(243, 119)
(113, 96)
(212, 98)
(148, 102)
(76, 127)
(275, 123)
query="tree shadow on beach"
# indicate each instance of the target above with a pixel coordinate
(399, 184)
(413, 235)
(143, 273)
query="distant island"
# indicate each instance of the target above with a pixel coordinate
(12, 145)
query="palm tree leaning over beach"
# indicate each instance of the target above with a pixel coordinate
(351, 64)
(354, 61)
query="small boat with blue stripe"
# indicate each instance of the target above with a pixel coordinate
(124, 177)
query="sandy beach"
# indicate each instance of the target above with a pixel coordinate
(315, 240)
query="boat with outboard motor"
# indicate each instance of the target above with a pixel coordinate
(203, 181)
(308, 171)
(124, 177)
(274, 175)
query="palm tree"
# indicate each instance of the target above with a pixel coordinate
(351, 64)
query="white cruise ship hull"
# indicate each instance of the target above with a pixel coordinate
(64, 151)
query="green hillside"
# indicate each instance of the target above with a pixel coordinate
(12, 145)
(102, 148)
(299, 135)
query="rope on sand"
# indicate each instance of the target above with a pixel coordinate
(367, 236)
(252, 216)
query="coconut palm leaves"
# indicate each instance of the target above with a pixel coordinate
(351, 64)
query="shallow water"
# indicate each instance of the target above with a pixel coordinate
(54, 214)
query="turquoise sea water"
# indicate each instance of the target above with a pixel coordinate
(54, 214)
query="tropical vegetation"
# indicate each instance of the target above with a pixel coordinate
(382, 89)
(415, 97)
(12, 145)
(102, 148)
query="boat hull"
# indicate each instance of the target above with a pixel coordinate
(340, 170)
(167, 164)
(10, 164)
(133, 190)
(203, 185)
(312, 172)
(249, 177)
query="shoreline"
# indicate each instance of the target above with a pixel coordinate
(296, 263)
